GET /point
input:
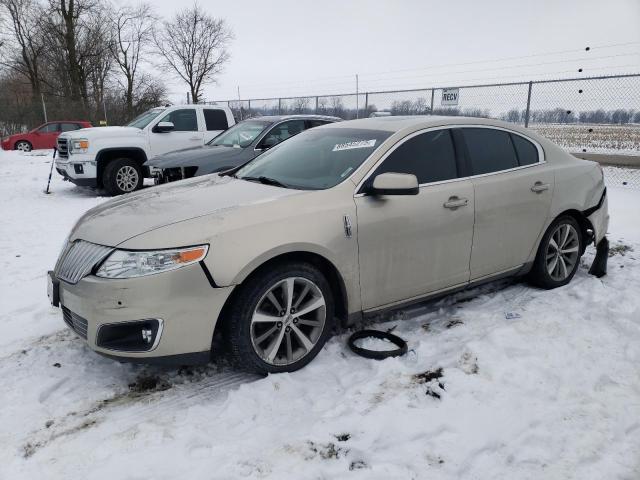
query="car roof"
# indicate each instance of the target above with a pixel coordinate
(397, 123)
(279, 118)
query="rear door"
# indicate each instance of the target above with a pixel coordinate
(513, 190)
(413, 245)
(215, 122)
(185, 134)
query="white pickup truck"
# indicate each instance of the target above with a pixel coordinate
(112, 157)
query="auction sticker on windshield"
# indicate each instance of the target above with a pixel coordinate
(351, 145)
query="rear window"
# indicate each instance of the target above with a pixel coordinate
(489, 150)
(215, 119)
(68, 127)
(526, 151)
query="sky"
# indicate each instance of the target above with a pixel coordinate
(305, 47)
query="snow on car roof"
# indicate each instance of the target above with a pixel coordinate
(397, 123)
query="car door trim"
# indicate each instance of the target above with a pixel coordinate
(541, 156)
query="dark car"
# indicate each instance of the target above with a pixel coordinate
(234, 147)
(42, 137)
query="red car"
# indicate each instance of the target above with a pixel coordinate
(42, 137)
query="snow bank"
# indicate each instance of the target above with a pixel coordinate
(534, 384)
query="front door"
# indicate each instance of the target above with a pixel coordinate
(410, 246)
(46, 136)
(185, 134)
(513, 191)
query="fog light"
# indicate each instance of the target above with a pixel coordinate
(147, 335)
(78, 168)
(135, 336)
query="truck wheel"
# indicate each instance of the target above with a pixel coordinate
(122, 175)
(23, 146)
(279, 319)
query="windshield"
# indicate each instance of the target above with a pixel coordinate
(316, 159)
(145, 119)
(241, 135)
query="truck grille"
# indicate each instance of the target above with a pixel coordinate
(78, 259)
(63, 148)
(75, 322)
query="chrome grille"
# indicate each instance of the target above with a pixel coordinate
(77, 260)
(75, 322)
(63, 148)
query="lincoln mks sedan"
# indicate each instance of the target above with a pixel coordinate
(337, 223)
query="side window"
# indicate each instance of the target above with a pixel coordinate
(429, 156)
(489, 150)
(68, 127)
(215, 119)
(316, 123)
(281, 132)
(526, 151)
(50, 128)
(183, 120)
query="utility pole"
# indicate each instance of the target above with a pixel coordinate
(104, 106)
(357, 99)
(239, 103)
(188, 100)
(44, 107)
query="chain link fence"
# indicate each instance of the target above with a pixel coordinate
(591, 114)
(595, 115)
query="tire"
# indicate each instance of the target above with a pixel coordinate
(254, 326)
(24, 146)
(553, 268)
(122, 175)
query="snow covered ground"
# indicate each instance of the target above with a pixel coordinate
(508, 383)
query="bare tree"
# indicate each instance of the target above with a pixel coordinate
(27, 38)
(133, 35)
(194, 45)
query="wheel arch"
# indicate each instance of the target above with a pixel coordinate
(106, 155)
(328, 269)
(584, 223)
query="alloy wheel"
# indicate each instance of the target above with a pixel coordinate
(23, 147)
(288, 321)
(562, 252)
(127, 178)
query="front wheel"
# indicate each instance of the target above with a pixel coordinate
(23, 146)
(559, 254)
(279, 319)
(122, 176)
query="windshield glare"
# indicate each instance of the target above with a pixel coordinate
(316, 159)
(241, 135)
(145, 119)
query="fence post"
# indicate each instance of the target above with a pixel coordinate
(249, 108)
(279, 106)
(526, 114)
(366, 104)
(432, 94)
(316, 105)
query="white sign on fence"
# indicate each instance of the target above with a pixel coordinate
(450, 97)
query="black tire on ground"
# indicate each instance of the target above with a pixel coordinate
(540, 275)
(122, 175)
(238, 315)
(23, 145)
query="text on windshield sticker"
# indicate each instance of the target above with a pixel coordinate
(357, 144)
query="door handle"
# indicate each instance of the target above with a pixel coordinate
(194, 138)
(455, 202)
(540, 187)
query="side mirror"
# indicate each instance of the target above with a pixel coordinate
(164, 127)
(395, 184)
(267, 143)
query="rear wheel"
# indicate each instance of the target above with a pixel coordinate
(280, 319)
(559, 254)
(23, 146)
(122, 176)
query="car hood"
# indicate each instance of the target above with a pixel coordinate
(194, 157)
(118, 220)
(103, 132)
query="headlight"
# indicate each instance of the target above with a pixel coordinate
(79, 145)
(128, 264)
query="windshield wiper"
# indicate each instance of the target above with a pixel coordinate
(265, 181)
